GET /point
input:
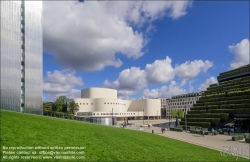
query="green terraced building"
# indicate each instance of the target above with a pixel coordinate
(228, 101)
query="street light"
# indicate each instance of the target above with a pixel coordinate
(186, 118)
(143, 116)
(112, 117)
(169, 116)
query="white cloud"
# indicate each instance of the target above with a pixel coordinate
(160, 71)
(191, 69)
(132, 80)
(128, 82)
(61, 83)
(86, 36)
(165, 91)
(206, 84)
(241, 51)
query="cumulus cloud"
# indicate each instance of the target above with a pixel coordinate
(165, 91)
(132, 80)
(206, 84)
(191, 69)
(241, 51)
(86, 36)
(161, 71)
(128, 82)
(61, 83)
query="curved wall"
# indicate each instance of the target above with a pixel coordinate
(99, 93)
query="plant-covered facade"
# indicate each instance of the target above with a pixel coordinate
(228, 100)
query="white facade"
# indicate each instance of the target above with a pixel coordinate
(180, 102)
(99, 102)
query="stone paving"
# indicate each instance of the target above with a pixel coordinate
(222, 143)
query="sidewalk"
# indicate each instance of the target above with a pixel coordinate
(222, 143)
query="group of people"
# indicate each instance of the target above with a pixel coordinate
(202, 132)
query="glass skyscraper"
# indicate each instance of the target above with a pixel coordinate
(21, 56)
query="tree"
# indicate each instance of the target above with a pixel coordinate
(47, 106)
(60, 104)
(179, 114)
(73, 107)
(173, 113)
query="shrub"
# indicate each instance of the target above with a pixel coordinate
(199, 124)
(237, 137)
(223, 116)
(213, 121)
(247, 140)
(196, 111)
(176, 129)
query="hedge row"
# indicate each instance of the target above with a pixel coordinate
(199, 124)
(213, 121)
(222, 116)
(232, 111)
(205, 132)
(235, 106)
(211, 103)
(235, 98)
(196, 111)
(176, 129)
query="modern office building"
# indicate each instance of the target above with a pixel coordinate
(180, 102)
(103, 103)
(21, 56)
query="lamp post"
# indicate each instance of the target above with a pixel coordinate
(186, 118)
(169, 116)
(112, 117)
(143, 116)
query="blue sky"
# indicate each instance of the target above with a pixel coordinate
(142, 49)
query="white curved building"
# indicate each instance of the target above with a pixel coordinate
(103, 102)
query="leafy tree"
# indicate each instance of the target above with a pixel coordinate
(173, 113)
(179, 113)
(60, 104)
(73, 107)
(47, 106)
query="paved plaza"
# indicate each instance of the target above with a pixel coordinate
(222, 143)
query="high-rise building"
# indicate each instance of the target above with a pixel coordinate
(21, 56)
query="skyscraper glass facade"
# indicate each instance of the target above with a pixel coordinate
(21, 56)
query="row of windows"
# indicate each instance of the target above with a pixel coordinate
(187, 99)
(114, 103)
(181, 103)
(104, 103)
(88, 113)
(188, 95)
(84, 103)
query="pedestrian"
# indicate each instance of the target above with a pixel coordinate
(203, 133)
(228, 131)
(162, 130)
(212, 131)
(148, 126)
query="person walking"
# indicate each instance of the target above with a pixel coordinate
(228, 131)
(212, 131)
(203, 133)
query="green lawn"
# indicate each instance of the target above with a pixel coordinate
(102, 143)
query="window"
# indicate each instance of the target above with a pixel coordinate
(97, 113)
(83, 103)
(80, 103)
(104, 102)
(91, 103)
(86, 103)
(108, 103)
